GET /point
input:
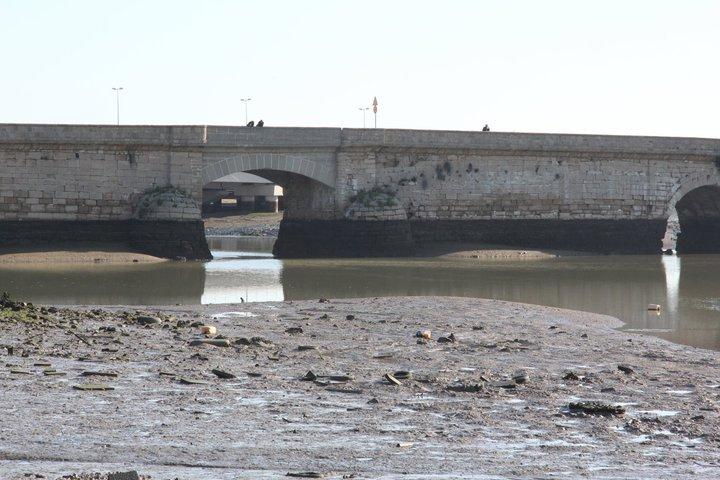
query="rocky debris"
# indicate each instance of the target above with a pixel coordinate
(131, 475)
(520, 376)
(626, 369)
(221, 373)
(491, 379)
(449, 339)
(87, 387)
(596, 408)
(465, 387)
(147, 320)
(294, 330)
(215, 342)
(254, 342)
(305, 475)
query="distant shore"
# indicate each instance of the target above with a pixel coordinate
(71, 253)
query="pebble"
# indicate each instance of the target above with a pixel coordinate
(147, 320)
(425, 334)
(215, 342)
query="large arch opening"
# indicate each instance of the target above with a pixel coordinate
(696, 221)
(308, 198)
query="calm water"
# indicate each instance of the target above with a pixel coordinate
(688, 288)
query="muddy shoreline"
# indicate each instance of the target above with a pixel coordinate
(169, 415)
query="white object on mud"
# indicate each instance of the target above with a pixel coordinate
(208, 330)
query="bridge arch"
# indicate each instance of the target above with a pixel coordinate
(306, 166)
(693, 214)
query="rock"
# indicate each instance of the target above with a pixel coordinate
(449, 339)
(402, 375)
(303, 348)
(350, 317)
(93, 387)
(571, 376)
(294, 330)
(131, 475)
(506, 384)
(190, 381)
(215, 342)
(392, 380)
(626, 369)
(323, 300)
(221, 373)
(424, 334)
(98, 374)
(309, 377)
(596, 408)
(147, 320)
(196, 324)
(464, 387)
(305, 474)
(208, 330)
(254, 341)
(520, 376)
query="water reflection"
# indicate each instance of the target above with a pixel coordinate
(621, 286)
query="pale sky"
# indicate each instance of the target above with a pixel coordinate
(616, 67)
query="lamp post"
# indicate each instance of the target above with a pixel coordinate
(375, 105)
(364, 110)
(246, 101)
(117, 102)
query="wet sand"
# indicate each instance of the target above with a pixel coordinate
(62, 253)
(170, 416)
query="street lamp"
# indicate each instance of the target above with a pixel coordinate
(245, 101)
(117, 102)
(364, 110)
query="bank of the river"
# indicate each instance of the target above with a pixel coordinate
(242, 224)
(76, 252)
(521, 366)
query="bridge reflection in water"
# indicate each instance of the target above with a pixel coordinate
(621, 286)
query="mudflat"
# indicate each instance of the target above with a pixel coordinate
(421, 387)
(76, 252)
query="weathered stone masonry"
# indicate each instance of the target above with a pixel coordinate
(598, 193)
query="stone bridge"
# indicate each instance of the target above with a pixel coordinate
(362, 191)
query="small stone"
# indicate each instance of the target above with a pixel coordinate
(305, 474)
(98, 374)
(147, 320)
(520, 376)
(449, 339)
(215, 342)
(303, 348)
(571, 376)
(190, 381)
(294, 330)
(93, 387)
(596, 408)
(464, 387)
(131, 475)
(221, 373)
(626, 369)
(350, 317)
(309, 377)
(402, 375)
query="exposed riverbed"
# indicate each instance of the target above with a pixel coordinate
(169, 416)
